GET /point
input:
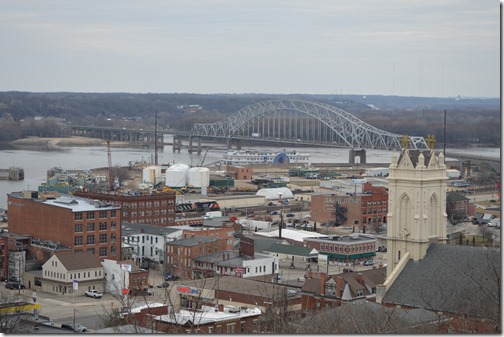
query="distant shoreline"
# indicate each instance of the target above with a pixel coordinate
(61, 142)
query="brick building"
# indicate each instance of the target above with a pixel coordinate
(346, 248)
(239, 172)
(80, 224)
(367, 209)
(209, 319)
(156, 209)
(180, 253)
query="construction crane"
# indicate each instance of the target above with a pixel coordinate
(110, 173)
(203, 159)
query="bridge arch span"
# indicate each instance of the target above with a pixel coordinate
(306, 122)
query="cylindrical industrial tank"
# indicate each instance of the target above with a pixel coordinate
(149, 174)
(198, 176)
(176, 175)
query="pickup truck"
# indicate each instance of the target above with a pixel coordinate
(93, 294)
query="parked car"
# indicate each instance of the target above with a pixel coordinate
(77, 328)
(141, 292)
(290, 215)
(14, 285)
(170, 277)
(93, 293)
(274, 212)
(124, 311)
(369, 263)
(163, 285)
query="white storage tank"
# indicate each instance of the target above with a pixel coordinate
(150, 174)
(176, 175)
(198, 177)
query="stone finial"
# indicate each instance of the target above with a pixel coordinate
(405, 140)
(431, 141)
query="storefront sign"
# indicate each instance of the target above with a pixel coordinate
(188, 290)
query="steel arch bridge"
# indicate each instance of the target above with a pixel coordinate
(304, 122)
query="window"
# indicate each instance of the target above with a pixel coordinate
(91, 250)
(78, 241)
(78, 228)
(103, 214)
(113, 225)
(77, 216)
(254, 325)
(359, 292)
(113, 251)
(113, 213)
(90, 239)
(103, 226)
(112, 237)
(103, 238)
(91, 227)
(242, 327)
(230, 328)
(103, 251)
(90, 215)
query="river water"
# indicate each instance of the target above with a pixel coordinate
(36, 163)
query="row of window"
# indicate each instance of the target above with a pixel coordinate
(149, 204)
(90, 227)
(90, 239)
(91, 215)
(328, 247)
(374, 203)
(373, 210)
(72, 276)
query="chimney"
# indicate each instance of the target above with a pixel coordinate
(227, 256)
(221, 307)
(322, 283)
(339, 286)
(223, 256)
(359, 278)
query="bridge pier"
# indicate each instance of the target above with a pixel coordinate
(191, 150)
(177, 143)
(230, 141)
(357, 153)
(465, 169)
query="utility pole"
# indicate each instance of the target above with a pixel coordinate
(444, 135)
(155, 139)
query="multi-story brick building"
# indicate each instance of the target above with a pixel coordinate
(239, 172)
(180, 253)
(81, 224)
(367, 209)
(156, 209)
(348, 248)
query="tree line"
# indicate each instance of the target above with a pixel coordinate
(23, 114)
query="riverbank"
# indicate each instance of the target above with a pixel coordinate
(67, 141)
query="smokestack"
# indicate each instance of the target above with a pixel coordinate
(322, 283)
(339, 286)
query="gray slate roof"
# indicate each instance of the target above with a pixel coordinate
(79, 261)
(457, 279)
(289, 249)
(192, 241)
(365, 317)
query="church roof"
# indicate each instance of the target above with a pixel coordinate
(457, 279)
(414, 154)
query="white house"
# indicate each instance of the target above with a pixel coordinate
(61, 274)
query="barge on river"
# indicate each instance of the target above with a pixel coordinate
(12, 173)
(247, 157)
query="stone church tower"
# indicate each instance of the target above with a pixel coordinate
(417, 204)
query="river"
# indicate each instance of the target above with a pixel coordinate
(36, 163)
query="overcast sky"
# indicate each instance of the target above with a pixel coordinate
(437, 48)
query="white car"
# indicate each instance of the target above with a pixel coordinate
(93, 294)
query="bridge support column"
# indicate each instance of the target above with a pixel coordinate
(357, 153)
(177, 143)
(191, 150)
(465, 169)
(231, 141)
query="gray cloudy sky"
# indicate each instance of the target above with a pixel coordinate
(410, 48)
